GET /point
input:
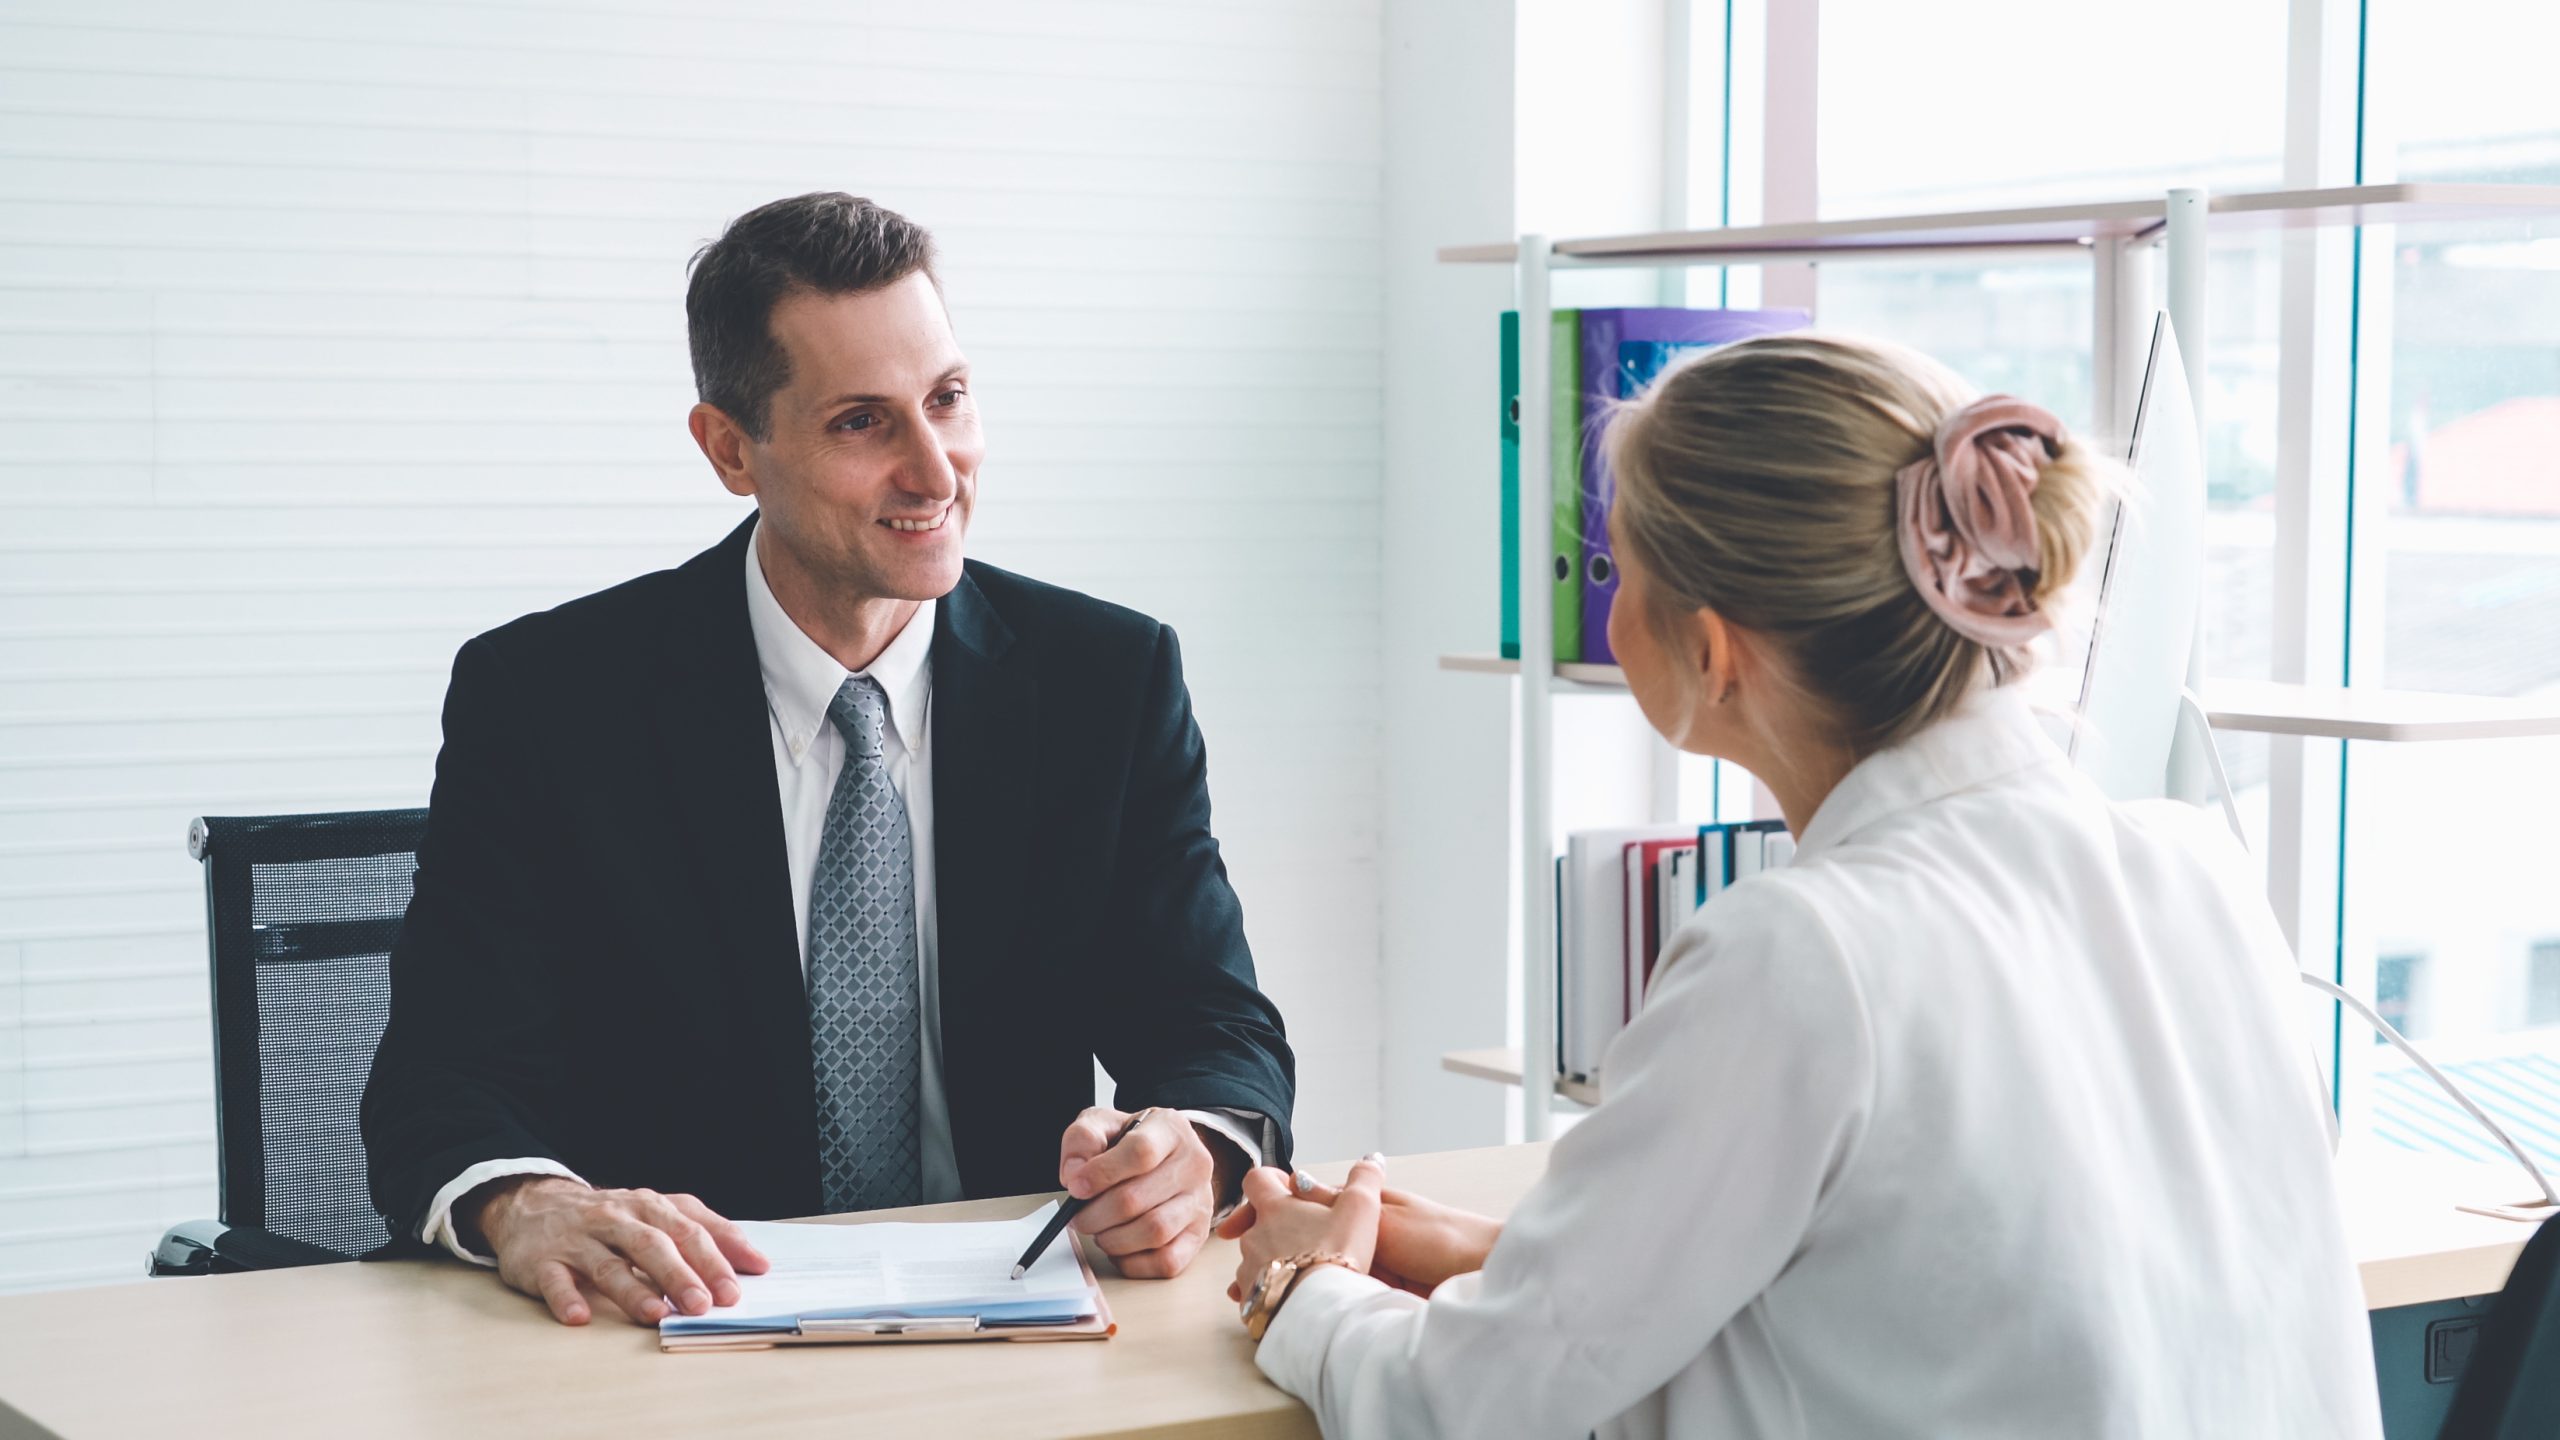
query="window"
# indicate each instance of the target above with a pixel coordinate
(2542, 984)
(2454, 558)
(2017, 102)
(2052, 131)
(2398, 980)
(2445, 573)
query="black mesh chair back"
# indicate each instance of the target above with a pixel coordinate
(2510, 1388)
(302, 910)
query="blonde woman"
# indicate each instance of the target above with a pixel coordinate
(1982, 1117)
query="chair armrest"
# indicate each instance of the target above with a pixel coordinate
(209, 1247)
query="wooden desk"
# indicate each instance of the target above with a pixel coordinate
(432, 1348)
(2411, 1244)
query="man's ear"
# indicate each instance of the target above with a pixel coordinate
(724, 444)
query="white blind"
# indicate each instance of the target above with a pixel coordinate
(334, 332)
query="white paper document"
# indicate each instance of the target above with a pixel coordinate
(854, 1271)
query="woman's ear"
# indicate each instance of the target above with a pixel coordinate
(1712, 646)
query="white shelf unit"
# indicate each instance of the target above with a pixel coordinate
(2251, 706)
(2110, 234)
(1503, 1066)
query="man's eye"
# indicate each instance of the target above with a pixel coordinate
(949, 397)
(857, 422)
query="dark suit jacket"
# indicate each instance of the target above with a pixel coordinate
(599, 966)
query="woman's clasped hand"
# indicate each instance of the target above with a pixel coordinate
(1401, 1238)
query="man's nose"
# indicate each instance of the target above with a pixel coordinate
(927, 470)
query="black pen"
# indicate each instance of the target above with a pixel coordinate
(1067, 1211)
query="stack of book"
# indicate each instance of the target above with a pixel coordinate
(1600, 357)
(1620, 896)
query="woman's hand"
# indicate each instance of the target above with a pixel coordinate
(1285, 1224)
(1420, 1242)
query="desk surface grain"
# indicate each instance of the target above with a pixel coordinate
(437, 1348)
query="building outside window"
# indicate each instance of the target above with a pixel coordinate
(2542, 984)
(2399, 982)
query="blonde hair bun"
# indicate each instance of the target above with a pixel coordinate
(1761, 480)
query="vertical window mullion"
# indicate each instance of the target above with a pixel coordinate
(2315, 404)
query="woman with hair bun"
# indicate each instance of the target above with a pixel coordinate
(1981, 1117)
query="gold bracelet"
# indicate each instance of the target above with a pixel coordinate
(1279, 1279)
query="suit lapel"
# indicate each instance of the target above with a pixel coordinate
(984, 709)
(718, 757)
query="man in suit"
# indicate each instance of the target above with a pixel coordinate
(814, 874)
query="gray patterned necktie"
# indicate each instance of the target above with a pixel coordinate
(865, 1010)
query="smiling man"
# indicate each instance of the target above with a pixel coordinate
(814, 874)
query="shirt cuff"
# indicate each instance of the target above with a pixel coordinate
(1293, 1349)
(1252, 1132)
(438, 1227)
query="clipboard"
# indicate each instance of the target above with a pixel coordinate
(907, 1329)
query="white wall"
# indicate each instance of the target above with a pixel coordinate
(1447, 866)
(332, 333)
(1471, 158)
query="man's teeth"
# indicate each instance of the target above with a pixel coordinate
(917, 525)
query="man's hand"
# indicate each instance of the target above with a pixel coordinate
(565, 1242)
(1150, 1197)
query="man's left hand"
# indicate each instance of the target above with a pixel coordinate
(1150, 1198)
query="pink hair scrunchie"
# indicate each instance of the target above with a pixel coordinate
(1967, 522)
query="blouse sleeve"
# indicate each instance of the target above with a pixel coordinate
(1735, 1103)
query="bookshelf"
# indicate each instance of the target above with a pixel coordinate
(2058, 227)
(2253, 707)
(2113, 235)
(1503, 1065)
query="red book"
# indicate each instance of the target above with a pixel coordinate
(1644, 912)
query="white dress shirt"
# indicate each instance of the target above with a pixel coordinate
(1982, 1117)
(800, 681)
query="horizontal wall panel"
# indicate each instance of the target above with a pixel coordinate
(706, 150)
(189, 1081)
(140, 1168)
(237, 227)
(222, 690)
(127, 864)
(536, 521)
(1102, 41)
(1030, 386)
(158, 1036)
(126, 1208)
(447, 186)
(354, 447)
(688, 61)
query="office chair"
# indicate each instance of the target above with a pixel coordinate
(2510, 1388)
(301, 911)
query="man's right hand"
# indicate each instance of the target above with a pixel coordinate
(565, 1242)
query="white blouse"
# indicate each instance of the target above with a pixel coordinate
(1982, 1117)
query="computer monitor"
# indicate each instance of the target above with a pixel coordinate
(2140, 629)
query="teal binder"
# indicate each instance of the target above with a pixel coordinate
(1510, 484)
(1564, 452)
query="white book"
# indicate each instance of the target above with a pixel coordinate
(1750, 853)
(1782, 848)
(1591, 994)
(1677, 881)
